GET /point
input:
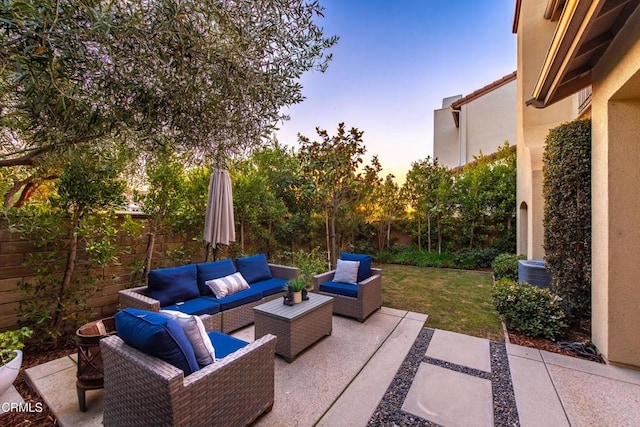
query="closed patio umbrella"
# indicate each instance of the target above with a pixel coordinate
(219, 225)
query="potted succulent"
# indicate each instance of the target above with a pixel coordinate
(11, 344)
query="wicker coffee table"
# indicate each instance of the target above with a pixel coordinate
(297, 326)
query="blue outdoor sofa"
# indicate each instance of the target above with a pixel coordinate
(184, 289)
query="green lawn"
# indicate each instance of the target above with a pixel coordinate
(455, 300)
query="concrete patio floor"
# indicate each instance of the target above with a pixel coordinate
(362, 369)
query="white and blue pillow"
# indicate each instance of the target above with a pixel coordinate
(228, 285)
(196, 334)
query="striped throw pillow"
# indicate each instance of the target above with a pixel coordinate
(227, 285)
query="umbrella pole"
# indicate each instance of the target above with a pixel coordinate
(206, 252)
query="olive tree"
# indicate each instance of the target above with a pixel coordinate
(200, 76)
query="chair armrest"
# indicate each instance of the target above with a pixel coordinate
(319, 279)
(372, 285)
(117, 352)
(376, 274)
(142, 389)
(210, 322)
(261, 349)
(136, 298)
(283, 271)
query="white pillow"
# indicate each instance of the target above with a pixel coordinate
(227, 285)
(196, 334)
(346, 271)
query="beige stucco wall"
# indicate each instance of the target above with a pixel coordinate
(490, 121)
(534, 37)
(485, 124)
(616, 201)
(445, 138)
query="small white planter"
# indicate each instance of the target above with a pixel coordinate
(9, 372)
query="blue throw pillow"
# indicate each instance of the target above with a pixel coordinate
(172, 285)
(364, 271)
(213, 270)
(158, 336)
(254, 268)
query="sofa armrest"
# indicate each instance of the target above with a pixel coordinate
(319, 279)
(137, 298)
(284, 271)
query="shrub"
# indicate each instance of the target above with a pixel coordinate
(505, 266)
(567, 215)
(474, 258)
(528, 309)
(413, 256)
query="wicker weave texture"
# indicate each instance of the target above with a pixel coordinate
(297, 333)
(142, 390)
(137, 298)
(369, 295)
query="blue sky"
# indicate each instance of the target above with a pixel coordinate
(393, 64)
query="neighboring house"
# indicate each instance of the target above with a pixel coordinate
(577, 58)
(479, 122)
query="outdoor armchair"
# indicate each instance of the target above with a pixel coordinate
(358, 298)
(140, 389)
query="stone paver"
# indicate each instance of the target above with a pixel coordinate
(55, 381)
(536, 398)
(9, 398)
(359, 400)
(450, 398)
(460, 349)
(351, 370)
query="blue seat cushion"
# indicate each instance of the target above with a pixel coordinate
(270, 286)
(339, 288)
(196, 306)
(172, 285)
(239, 298)
(213, 270)
(157, 335)
(254, 268)
(364, 271)
(225, 344)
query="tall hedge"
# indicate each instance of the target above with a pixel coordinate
(567, 215)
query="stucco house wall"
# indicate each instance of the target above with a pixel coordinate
(478, 123)
(445, 138)
(615, 112)
(490, 121)
(615, 197)
(533, 38)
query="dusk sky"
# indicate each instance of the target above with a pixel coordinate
(394, 63)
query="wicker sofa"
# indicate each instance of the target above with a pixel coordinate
(141, 389)
(184, 289)
(358, 299)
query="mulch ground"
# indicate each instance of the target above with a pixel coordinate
(580, 335)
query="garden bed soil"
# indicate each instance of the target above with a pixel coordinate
(580, 335)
